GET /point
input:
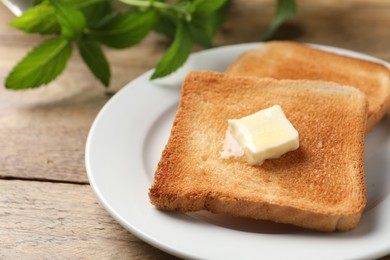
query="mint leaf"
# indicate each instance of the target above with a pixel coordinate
(94, 57)
(219, 17)
(125, 29)
(201, 31)
(177, 53)
(166, 24)
(71, 19)
(286, 9)
(94, 10)
(38, 19)
(42, 17)
(43, 64)
(207, 6)
(204, 26)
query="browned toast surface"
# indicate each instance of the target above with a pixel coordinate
(290, 60)
(319, 186)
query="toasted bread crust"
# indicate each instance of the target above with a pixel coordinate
(320, 186)
(290, 60)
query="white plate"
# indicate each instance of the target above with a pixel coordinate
(124, 146)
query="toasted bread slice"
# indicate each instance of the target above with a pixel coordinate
(289, 60)
(320, 186)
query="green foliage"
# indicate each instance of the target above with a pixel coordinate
(124, 29)
(177, 54)
(286, 9)
(41, 65)
(93, 56)
(71, 19)
(93, 23)
(38, 19)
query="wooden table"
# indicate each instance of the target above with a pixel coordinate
(47, 208)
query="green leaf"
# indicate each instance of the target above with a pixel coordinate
(177, 53)
(43, 64)
(166, 24)
(38, 19)
(42, 18)
(125, 29)
(201, 31)
(71, 19)
(207, 6)
(220, 17)
(204, 26)
(286, 9)
(94, 10)
(96, 61)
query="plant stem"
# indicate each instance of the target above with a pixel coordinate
(141, 3)
(158, 5)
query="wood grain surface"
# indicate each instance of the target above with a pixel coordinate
(45, 220)
(47, 208)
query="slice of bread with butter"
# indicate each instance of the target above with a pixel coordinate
(291, 60)
(318, 186)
